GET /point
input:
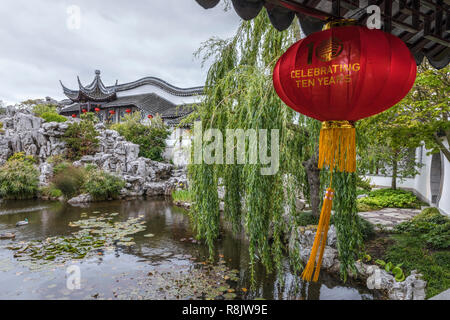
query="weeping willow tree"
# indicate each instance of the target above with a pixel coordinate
(239, 94)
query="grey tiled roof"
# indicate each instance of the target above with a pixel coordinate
(98, 92)
(150, 103)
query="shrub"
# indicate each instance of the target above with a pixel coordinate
(388, 198)
(19, 178)
(40, 109)
(150, 138)
(432, 228)
(53, 117)
(306, 218)
(102, 185)
(22, 157)
(363, 184)
(367, 228)
(51, 191)
(69, 180)
(182, 195)
(81, 139)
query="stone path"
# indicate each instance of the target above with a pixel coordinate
(388, 218)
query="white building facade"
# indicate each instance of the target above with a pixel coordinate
(431, 185)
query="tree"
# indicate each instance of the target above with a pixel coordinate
(389, 138)
(239, 94)
(426, 109)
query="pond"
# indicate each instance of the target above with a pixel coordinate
(141, 249)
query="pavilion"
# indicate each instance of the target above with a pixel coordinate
(151, 96)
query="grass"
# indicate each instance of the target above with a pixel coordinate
(434, 265)
(182, 195)
(422, 244)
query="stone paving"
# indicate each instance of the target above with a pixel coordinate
(388, 218)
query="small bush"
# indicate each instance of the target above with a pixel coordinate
(69, 180)
(182, 195)
(150, 138)
(19, 179)
(367, 228)
(22, 157)
(306, 218)
(363, 184)
(51, 191)
(388, 198)
(102, 185)
(40, 109)
(53, 117)
(430, 226)
(81, 139)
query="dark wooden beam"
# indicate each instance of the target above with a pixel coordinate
(388, 16)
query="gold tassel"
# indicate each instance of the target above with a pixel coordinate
(337, 149)
(320, 240)
(337, 146)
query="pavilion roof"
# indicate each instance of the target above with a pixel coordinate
(424, 25)
(98, 92)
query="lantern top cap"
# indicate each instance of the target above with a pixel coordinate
(339, 23)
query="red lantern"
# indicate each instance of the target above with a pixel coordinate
(74, 115)
(150, 116)
(84, 110)
(112, 112)
(128, 111)
(338, 76)
(97, 109)
(345, 73)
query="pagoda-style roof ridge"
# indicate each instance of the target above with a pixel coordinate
(97, 91)
(163, 85)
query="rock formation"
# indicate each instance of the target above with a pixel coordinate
(23, 132)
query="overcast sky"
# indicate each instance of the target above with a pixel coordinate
(40, 43)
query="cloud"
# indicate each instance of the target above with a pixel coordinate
(125, 40)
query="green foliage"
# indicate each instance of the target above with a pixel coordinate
(1, 127)
(102, 185)
(69, 180)
(430, 226)
(182, 195)
(367, 229)
(53, 117)
(89, 116)
(433, 265)
(363, 183)
(239, 94)
(306, 218)
(394, 269)
(51, 192)
(81, 139)
(150, 138)
(19, 178)
(41, 109)
(389, 198)
(347, 222)
(22, 157)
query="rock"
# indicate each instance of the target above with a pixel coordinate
(82, 198)
(300, 204)
(24, 132)
(362, 196)
(7, 236)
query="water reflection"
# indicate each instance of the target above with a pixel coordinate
(126, 269)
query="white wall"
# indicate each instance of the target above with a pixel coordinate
(152, 89)
(178, 147)
(420, 184)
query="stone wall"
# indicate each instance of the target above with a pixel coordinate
(301, 240)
